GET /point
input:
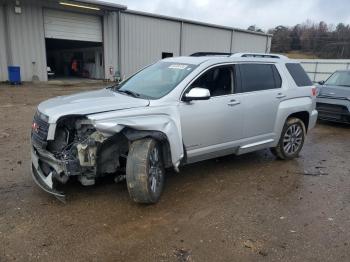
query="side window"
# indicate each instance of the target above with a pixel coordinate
(218, 80)
(257, 77)
(277, 77)
(298, 74)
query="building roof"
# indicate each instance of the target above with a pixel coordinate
(106, 5)
(194, 22)
(109, 5)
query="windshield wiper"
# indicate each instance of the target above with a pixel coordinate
(111, 87)
(128, 92)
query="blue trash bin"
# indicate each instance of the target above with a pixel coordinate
(14, 75)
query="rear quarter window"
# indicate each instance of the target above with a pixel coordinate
(298, 74)
(258, 77)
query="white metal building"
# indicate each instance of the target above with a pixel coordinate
(104, 38)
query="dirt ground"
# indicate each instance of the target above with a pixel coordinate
(236, 208)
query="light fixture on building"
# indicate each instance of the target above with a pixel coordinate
(18, 9)
(79, 6)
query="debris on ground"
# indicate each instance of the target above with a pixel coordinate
(255, 246)
(182, 255)
(249, 244)
(263, 253)
(318, 172)
(4, 135)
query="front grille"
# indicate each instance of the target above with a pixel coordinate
(332, 108)
(39, 135)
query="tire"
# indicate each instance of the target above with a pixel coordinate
(145, 172)
(292, 139)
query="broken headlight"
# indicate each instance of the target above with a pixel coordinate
(42, 116)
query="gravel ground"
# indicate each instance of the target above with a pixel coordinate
(236, 208)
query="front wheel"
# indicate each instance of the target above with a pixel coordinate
(145, 171)
(292, 139)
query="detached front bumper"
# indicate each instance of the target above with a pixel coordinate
(45, 182)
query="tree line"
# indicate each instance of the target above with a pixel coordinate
(320, 39)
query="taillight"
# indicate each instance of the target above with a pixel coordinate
(314, 91)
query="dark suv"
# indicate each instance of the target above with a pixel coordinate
(333, 100)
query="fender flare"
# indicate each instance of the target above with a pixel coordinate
(134, 134)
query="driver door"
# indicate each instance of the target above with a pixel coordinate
(212, 127)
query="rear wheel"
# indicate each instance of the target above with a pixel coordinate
(292, 139)
(145, 171)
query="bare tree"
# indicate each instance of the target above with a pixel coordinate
(321, 39)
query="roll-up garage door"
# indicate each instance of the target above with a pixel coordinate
(72, 26)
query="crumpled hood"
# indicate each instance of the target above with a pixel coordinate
(90, 102)
(335, 91)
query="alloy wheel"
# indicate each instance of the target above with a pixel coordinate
(293, 139)
(155, 170)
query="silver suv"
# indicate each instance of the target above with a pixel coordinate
(174, 112)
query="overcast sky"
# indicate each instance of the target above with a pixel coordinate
(243, 13)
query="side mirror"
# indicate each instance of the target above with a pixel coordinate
(197, 93)
(321, 83)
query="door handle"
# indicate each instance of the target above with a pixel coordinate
(233, 103)
(280, 95)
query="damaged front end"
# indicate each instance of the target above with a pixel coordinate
(76, 150)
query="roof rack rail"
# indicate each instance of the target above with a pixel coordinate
(211, 54)
(259, 55)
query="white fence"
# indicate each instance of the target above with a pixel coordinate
(321, 69)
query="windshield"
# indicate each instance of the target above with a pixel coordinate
(156, 80)
(341, 78)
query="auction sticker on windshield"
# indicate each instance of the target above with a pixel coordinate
(177, 66)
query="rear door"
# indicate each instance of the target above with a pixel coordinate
(260, 86)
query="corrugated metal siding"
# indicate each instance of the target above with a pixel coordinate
(72, 26)
(143, 39)
(197, 38)
(110, 43)
(3, 51)
(26, 40)
(245, 42)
